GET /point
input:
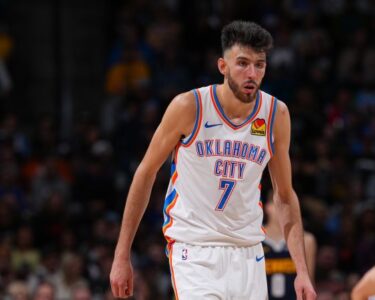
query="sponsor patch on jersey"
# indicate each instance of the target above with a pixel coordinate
(258, 127)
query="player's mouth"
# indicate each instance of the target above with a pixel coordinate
(249, 88)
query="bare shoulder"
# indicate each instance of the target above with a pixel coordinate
(282, 123)
(184, 102)
(181, 113)
(370, 274)
(282, 108)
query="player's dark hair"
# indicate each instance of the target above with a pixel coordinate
(247, 34)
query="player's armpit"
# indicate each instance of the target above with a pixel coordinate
(178, 121)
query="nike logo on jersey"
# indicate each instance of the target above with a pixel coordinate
(259, 258)
(211, 125)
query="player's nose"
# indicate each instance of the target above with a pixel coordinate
(250, 72)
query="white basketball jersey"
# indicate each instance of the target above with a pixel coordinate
(213, 197)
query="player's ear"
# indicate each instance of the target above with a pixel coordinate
(222, 66)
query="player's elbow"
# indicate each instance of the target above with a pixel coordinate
(144, 171)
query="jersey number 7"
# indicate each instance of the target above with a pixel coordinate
(227, 186)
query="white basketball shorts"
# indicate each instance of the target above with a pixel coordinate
(218, 273)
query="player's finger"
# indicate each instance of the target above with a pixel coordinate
(130, 287)
(299, 294)
(114, 289)
(122, 291)
(310, 295)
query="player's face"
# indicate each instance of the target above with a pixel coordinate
(244, 71)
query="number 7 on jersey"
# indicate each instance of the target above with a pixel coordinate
(227, 186)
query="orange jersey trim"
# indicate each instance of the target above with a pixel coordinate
(170, 246)
(270, 125)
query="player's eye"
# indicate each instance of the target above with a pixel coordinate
(242, 63)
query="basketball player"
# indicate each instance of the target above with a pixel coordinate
(365, 288)
(221, 138)
(280, 269)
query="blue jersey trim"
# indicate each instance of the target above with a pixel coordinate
(173, 167)
(187, 140)
(167, 202)
(271, 125)
(255, 109)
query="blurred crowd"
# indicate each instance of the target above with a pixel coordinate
(61, 200)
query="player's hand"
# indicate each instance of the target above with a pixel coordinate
(121, 278)
(304, 288)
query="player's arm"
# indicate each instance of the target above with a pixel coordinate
(310, 248)
(365, 287)
(286, 201)
(178, 121)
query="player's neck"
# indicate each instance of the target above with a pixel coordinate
(234, 109)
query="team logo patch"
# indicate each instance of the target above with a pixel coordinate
(258, 127)
(184, 255)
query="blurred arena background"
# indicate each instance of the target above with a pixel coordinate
(83, 85)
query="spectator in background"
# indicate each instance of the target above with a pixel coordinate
(51, 220)
(12, 149)
(131, 73)
(108, 295)
(365, 253)
(14, 136)
(45, 273)
(71, 275)
(280, 268)
(44, 291)
(45, 137)
(6, 45)
(98, 266)
(25, 257)
(81, 292)
(330, 279)
(6, 271)
(48, 182)
(10, 190)
(17, 290)
(129, 70)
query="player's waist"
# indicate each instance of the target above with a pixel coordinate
(205, 236)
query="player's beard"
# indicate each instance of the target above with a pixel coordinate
(236, 89)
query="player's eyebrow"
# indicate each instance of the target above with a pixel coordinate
(242, 57)
(262, 59)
